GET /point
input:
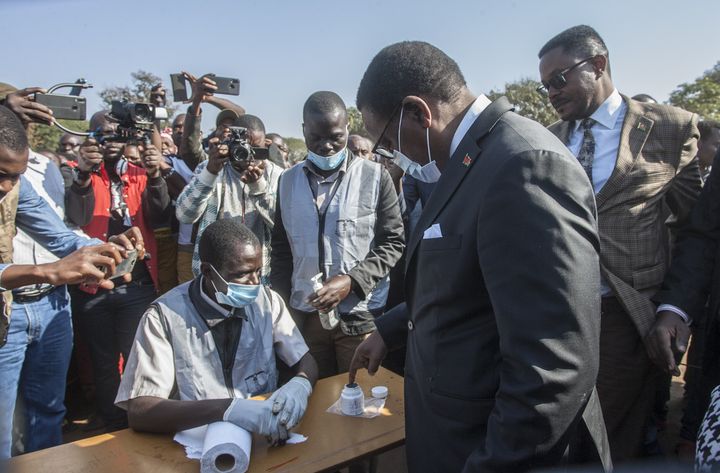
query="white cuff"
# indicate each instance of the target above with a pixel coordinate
(671, 308)
(207, 178)
(258, 187)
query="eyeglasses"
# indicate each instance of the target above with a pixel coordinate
(558, 81)
(377, 149)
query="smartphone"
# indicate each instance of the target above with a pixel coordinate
(65, 107)
(177, 81)
(226, 85)
(126, 265)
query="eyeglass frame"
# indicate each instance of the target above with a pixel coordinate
(543, 88)
(377, 149)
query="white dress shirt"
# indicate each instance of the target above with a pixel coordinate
(609, 118)
(471, 115)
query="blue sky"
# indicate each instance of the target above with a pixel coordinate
(283, 50)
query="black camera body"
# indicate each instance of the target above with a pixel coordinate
(134, 121)
(239, 147)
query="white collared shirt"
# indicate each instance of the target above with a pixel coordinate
(471, 115)
(609, 117)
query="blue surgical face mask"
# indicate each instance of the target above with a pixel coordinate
(328, 163)
(237, 295)
(427, 173)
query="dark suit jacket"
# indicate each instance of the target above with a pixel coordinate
(414, 191)
(503, 312)
(655, 170)
(695, 271)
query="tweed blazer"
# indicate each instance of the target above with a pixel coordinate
(653, 187)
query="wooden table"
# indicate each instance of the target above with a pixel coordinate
(333, 441)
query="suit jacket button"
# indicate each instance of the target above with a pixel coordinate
(410, 325)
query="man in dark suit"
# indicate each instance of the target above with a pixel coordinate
(691, 289)
(640, 160)
(502, 279)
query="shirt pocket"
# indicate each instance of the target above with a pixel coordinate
(257, 383)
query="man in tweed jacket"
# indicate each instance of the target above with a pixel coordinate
(223, 189)
(639, 158)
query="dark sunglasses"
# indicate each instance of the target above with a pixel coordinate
(558, 81)
(377, 149)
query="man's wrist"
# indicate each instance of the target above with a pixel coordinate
(81, 177)
(258, 187)
(675, 310)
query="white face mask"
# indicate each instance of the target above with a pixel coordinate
(428, 173)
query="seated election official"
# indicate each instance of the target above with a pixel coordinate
(207, 346)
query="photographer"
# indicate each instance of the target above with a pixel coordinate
(191, 149)
(109, 195)
(226, 187)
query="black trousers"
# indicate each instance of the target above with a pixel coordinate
(107, 322)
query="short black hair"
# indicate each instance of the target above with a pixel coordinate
(408, 68)
(324, 102)
(220, 239)
(706, 127)
(12, 132)
(273, 135)
(645, 98)
(251, 122)
(582, 41)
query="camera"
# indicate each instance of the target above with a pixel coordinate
(134, 121)
(239, 146)
(132, 114)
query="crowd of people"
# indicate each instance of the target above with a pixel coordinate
(519, 277)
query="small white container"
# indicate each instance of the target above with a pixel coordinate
(379, 392)
(352, 400)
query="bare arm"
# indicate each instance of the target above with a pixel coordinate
(155, 414)
(223, 104)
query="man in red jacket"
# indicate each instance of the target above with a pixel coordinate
(107, 196)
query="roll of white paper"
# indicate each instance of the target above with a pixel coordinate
(226, 449)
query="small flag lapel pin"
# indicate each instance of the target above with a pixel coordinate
(467, 160)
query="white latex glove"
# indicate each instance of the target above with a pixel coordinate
(290, 401)
(258, 417)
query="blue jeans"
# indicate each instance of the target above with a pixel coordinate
(33, 365)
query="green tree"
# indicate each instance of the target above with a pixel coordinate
(527, 101)
(139, 91)
(701, 96)
(357, 126)
(296, 149)
(44, 137)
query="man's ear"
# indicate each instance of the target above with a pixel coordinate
(419, 110)
(600, 65)
(205, 270)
